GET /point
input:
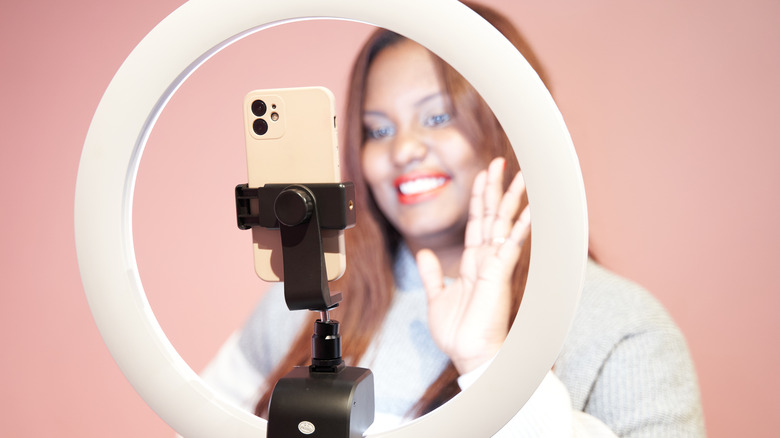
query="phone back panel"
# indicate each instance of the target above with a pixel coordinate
(291, 138)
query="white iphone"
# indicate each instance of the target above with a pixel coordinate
(291, 138)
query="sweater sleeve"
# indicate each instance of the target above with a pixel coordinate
(238, 371)
(626, 363)
(647, 387)
(232, 376)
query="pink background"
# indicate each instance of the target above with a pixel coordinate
(673, 107)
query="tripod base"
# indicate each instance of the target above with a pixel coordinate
(330, 404)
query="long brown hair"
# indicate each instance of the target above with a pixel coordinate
(372, 244)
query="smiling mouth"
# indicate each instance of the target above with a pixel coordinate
(418, 189)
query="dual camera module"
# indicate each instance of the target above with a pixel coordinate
(260, 109)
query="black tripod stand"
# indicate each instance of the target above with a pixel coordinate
(326, 399)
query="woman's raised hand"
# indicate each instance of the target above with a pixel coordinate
(469, 317)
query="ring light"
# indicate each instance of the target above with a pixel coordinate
(200, 28)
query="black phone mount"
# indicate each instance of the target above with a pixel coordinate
(326, 399)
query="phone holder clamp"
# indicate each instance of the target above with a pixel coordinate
(300, 212)
(326, 399)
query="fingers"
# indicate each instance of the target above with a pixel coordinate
(491, 211)
(508, 210)
(430, 272)
(510, 251)
(492, 194)
(473, 236)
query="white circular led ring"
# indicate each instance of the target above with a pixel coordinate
(200, 28)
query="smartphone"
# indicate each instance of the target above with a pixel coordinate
(291, 138)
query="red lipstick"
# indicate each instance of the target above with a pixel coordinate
(420, 186)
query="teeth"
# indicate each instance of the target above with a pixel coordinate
(421, 185)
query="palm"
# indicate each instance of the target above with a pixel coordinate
(468, 318)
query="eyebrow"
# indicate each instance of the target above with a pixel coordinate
(428, 98)
(419, 103)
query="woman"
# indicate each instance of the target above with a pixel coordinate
(437, 265)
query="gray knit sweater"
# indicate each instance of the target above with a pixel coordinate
(625, 362)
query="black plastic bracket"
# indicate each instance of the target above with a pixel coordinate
(326, 399)
(335, 206)
(300, 212)
(299, 224)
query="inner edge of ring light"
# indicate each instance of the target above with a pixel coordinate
(151, 120)
(157, 110)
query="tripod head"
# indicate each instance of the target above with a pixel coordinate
(327, 397)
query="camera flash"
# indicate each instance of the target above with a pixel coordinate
(274, 116)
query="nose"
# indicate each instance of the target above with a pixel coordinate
(407, 148)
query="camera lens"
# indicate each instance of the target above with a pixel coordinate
(260, 126)
(258, 108)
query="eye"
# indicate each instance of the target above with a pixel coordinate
(379, 133)
(437, 120)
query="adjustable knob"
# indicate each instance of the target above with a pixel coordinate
(293, 206)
